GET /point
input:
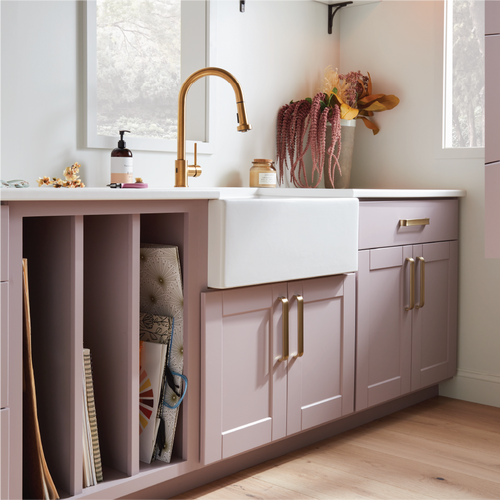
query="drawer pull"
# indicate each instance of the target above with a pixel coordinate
(412, 284)
(300, 325)
(414, 222)
(284, 319)
(422, 282)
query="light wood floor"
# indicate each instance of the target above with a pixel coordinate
(442, 448)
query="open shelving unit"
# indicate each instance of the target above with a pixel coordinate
(83, 270)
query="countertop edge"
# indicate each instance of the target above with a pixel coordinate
(170, 194)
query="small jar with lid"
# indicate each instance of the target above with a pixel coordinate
(263, 173)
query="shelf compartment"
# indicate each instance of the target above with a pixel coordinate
(54, 249)
(111, 330)
(169, 229)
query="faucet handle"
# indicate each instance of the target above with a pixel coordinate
(194, 170)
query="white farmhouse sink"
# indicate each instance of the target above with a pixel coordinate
(264, 239)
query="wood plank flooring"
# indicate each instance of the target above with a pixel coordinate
(441, 448)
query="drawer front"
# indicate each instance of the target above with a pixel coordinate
(4, 243)
(4, 453)
(380, 226)
(4, 336)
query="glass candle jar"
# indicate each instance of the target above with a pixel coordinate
(263, 173)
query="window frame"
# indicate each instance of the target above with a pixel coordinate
(193, 57)
(443, 68)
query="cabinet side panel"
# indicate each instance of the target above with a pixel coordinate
(4, 243)
(492, 209)
(211, 377)
(4, 344)
(492, 104)
(492, 17)
(4, 453)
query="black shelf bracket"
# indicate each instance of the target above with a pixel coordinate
(331, 13)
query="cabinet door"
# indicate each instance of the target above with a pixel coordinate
(239, 370)
(434, 332)
(383, 354)
(321, 380)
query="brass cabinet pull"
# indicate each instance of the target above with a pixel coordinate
(300, 325)
(284, 319)
(414, 222)
(422, 282)
(412, 284)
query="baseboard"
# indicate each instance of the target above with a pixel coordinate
(475, 387)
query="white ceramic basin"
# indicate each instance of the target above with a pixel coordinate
(265, 239)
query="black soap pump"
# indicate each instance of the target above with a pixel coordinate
(121, 162)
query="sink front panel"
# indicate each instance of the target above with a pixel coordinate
(264, 240)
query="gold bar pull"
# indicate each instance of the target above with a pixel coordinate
(300, 325)
(284, 319)
(412, 284)
(414, 222)
(422, 282)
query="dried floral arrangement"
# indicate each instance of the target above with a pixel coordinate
(346, 97)
(70, 174)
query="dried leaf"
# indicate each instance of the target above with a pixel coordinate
(370, 125)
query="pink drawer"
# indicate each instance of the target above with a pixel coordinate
(380, 222)
(4, 453)
(4, 330)
(4, 243)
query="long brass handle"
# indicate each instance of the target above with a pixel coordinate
(300, 325)
(284, 319)
(422, 282)
(414, 222)
(412, 284)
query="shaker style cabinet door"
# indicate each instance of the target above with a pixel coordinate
(237, 370)
(321, 362)
(383, 355)
(434, 333)
(275, 360)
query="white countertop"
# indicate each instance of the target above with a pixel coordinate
(105, 193)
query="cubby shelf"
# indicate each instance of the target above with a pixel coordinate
(83, 269)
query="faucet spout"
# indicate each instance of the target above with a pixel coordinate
(182, 169)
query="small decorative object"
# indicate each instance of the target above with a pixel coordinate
(342, 97)
(72, 179)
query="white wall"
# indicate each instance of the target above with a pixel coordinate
(399, 43)
(277, 50)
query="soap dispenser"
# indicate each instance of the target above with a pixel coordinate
(121, 162)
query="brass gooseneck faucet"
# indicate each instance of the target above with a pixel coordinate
(182, 169)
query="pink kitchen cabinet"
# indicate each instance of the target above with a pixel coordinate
(252, 392)
(407, 299)
(492, 144)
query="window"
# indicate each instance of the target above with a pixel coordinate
(463, 120)
(136, 63)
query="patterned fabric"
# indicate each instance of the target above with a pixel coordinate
(161, 294)
(154, 328)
